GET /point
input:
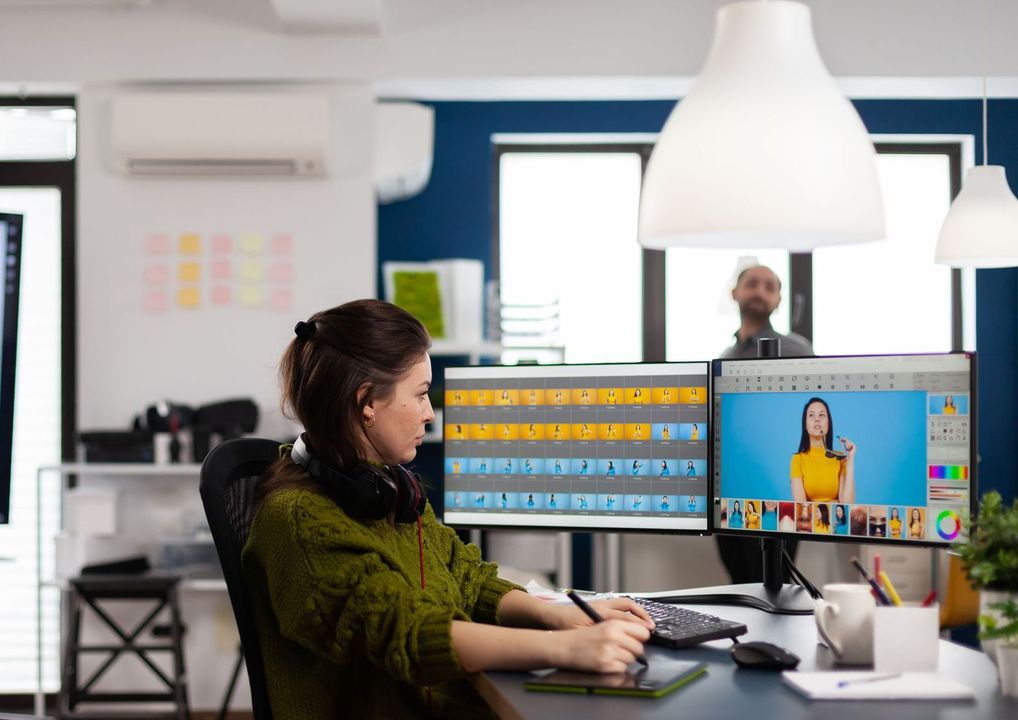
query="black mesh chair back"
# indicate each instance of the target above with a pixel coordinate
(229, 479)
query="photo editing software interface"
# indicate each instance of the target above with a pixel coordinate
(874, 447)
(618, 447)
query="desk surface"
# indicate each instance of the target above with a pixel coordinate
(727, 691)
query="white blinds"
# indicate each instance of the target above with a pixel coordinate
(36, 442)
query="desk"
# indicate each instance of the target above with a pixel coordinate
(727, 691)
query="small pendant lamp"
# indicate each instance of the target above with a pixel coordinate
(981, 228)
(764, 151)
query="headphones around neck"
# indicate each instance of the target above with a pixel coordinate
(367, 491)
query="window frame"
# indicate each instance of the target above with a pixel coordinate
(800, 305)
(60, 174)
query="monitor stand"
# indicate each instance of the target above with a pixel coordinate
(773, 595)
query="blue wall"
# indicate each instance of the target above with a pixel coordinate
(453, 218)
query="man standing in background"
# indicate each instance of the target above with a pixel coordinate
(757, 292)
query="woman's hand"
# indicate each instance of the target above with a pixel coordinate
(849, 447)
(564, 617)
(607, 647)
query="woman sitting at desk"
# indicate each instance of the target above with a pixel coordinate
(819, 473)
(365, 605)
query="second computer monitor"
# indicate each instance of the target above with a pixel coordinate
(873, 449)
(582, 447)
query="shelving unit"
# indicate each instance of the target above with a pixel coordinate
(65, 471)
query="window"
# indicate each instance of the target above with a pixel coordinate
(863, 301)
(37, 147)
(567, 225)
(567, 217)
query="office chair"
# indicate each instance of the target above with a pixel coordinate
(229, 479)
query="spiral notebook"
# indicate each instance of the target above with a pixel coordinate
(863, 685)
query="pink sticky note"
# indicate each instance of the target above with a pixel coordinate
(282, 244)
(281, 272)
(156, 275)
(281, 299)
(157, 244)
(156, 301)
(221, 270)
(220, 295)
(221, 244)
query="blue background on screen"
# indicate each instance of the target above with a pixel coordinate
(760, 433)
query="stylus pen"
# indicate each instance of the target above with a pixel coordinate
(593, 615)
(881, 595)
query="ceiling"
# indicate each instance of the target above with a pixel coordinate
(510, 48)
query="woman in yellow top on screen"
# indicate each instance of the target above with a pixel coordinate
(752, 516)
(915, 525)
(949, 408)
(820, 473)
(694, 434)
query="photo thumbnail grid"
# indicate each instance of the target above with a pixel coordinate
(595, 444)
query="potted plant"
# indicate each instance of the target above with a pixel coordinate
(1002, 626)
(990, 556)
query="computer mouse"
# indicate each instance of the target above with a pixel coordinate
(760, 655)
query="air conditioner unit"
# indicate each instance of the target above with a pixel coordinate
(220, 133)
(404, 145)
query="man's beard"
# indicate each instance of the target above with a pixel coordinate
(755, 312)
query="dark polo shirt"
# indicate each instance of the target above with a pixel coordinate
(792, 345)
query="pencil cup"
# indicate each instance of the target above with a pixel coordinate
(906, 638)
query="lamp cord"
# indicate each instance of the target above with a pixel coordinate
(982, 31)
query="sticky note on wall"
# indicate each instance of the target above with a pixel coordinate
(188, 297)
(251, 271)
(189, 272)
(189, 244)
(251, 244)
(250, 296)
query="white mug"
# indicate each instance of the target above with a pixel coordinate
(845, 621)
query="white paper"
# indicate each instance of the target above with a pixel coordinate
(907, 686)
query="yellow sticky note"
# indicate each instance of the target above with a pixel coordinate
(188, 297)
(189, 244)
(251, 244)
(250, 296)
(251, 271)
(189, 272)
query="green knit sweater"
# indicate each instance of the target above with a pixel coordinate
(345, 629)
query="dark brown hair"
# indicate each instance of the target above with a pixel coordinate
(367, 344)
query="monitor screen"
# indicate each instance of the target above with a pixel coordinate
(579, 447)
(10, 235)
(851, 448)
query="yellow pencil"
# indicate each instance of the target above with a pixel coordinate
(891, 592)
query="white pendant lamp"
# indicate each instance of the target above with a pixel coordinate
(981, 228)
(764, 151)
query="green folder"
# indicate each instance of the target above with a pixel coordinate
(661, 678)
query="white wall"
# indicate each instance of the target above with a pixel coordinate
(129, 358)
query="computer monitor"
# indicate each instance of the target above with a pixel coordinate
(620, 447)
(875, 449)
(10, 235)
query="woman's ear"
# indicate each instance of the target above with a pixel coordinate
(368, 410)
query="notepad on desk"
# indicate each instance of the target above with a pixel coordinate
(863, 685)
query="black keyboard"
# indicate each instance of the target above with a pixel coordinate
(677, 627)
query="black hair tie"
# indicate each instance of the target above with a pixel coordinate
(304, 330)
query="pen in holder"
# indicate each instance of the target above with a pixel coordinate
(906, 638)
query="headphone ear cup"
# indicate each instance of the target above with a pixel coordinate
(410, 496)
(364, 493)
